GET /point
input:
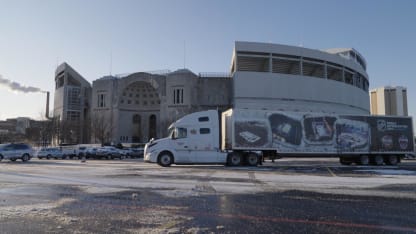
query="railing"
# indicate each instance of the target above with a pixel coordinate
(215, 74)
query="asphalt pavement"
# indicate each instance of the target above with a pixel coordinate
(130, 196)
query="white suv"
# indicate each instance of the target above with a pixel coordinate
(16, 151)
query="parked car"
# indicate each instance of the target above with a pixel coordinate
(108, 152)
(124, 152)
(137, 152)
(91, 152)
(49, 153)
(15, 151)
(73, 151)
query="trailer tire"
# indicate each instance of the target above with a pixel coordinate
(165, 159)
(234, 159)
(364, 160)
(378, 160)
(252, 159)
(392, 160)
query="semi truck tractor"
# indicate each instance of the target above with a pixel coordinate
(244, 137)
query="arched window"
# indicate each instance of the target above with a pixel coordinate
(136, 119)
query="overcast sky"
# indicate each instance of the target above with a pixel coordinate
(37, 35)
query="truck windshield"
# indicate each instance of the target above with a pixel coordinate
(176, 133)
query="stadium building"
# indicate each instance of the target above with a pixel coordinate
(289, 78)
(139, 106)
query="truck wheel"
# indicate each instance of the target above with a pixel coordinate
(252, 159)
(165, 159)
(378, 160)
(25, 157)
(109, 157)
(390, 160)
(364, 160)
(234, 159)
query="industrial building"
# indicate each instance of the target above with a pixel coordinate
(389, 101)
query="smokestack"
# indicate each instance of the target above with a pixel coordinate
(47, 105)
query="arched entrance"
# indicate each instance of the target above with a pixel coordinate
(152, 126)
(137, 129)
(139, 102)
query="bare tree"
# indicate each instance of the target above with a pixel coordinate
(100, 128)
(69, 132)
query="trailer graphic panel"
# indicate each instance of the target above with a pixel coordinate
(391, 134)
(321, 133)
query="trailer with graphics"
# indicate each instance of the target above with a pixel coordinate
(243, 136)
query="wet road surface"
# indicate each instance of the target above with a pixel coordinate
(130, 196)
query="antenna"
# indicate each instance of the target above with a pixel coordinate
(184, 54)
(111, 62)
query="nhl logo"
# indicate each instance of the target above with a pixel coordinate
(403, 142)
(381, 125)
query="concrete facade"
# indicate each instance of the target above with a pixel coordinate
(136, 107)
(141, 106)
(72, 105)
(389, 101)
(288, 78)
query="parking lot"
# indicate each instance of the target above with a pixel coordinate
(130, 196)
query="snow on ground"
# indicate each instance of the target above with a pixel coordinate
(390, 171)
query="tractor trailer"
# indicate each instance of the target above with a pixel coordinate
(244, 137)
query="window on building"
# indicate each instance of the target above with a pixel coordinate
(313, 67)
(73, 115)
(178, 96)
(74, 98)
(334, 72)
(101, 100)
(204, 131)
(203, 119)
(349, 77)
(137, 119)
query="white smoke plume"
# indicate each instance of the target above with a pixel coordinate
(18, 87)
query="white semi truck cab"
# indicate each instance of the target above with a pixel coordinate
(193, 139)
